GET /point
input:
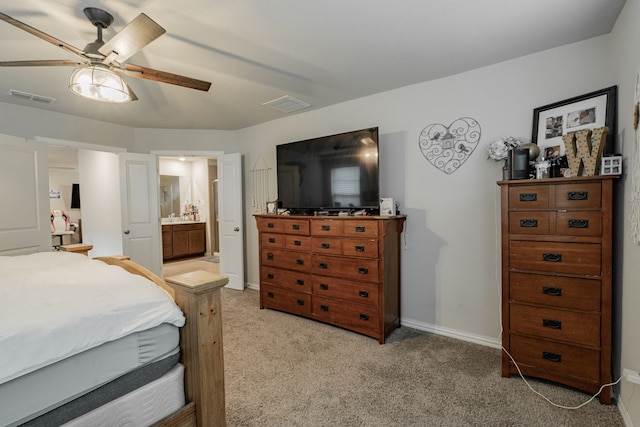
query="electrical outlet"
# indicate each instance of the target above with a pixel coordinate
(631, 376)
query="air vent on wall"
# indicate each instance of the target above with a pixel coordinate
(287, 104)
(31, 97)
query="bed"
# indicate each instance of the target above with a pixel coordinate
(106, 342)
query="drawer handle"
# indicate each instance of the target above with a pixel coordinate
(269, 255)
(578, 195)
(323, 265)
(554, 292)
(326, 227)
(578, 223)
(300, 282)
(324, 286)
(553, 357)
(270, 294)
(300, 261)
(360, 229)
(359, 248)
(325, 245)
(363, 294)
(528, 197)
(272, 240)
(364, 316)
(551, 257)
(270, 276)
(300, 302)
(270, 225)
(553, 324)
(296, 226)
(324, 307)
(297, 243)
(529, 223)
(363, 270)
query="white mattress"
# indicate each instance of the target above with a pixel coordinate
(57, 304)
(40, 391)
(141, 407)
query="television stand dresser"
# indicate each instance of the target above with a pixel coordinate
(341, 270)
(557, 280)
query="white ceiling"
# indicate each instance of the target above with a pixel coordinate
(321, 52)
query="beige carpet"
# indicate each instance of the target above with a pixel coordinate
(283, 370)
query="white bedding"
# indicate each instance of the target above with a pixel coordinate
(56, 304)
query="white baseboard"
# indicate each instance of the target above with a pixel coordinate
(254, 286)
(628, 422)
(453, 333)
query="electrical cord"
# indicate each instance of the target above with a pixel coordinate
(498, 251)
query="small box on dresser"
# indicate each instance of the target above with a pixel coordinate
(340, 270)
(557, 238)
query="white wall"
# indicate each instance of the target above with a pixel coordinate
(29, 122)
(625, 60)
(450, 264)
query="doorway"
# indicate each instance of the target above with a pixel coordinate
(185, 195)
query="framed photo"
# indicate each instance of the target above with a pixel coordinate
(272, 207)
(588, 111)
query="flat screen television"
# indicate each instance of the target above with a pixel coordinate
(332, 173)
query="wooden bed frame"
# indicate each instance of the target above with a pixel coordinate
(197, 293)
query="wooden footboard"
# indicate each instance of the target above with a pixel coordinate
(198, 295)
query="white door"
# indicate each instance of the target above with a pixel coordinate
(25, 224)
(139, 187)
(230, 219)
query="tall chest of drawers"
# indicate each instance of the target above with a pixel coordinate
(557, 280)
(344, 271)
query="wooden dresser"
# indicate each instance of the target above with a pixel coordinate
(340, 270)
(556, 280)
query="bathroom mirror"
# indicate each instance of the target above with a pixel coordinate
(175, 191)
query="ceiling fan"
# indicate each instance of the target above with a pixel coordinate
(100, 65)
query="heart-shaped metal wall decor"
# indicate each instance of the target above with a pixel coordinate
(448, 147)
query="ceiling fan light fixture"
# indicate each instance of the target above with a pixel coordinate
(99, 83)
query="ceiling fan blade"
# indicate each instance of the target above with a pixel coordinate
(41, 63)
(44, 36)
(136, 35)
(161, 76)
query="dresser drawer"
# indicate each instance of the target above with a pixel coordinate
(293, 280)
(562, 325)
(349, 268)
(529, 222)
(346, 290)
(578, 196)
(361, 228)
(326, 245)
(269, 240)
(556, 357)
(270, 225)
(579, 223)
(360, 248)
(554, 291)
(298, 243)
(346, 314)
(286, 300)
(296, 226)
(529, 197)
(280, 258)
(326, 227)
(571, 258)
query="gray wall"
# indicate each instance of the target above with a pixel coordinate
(451, 251)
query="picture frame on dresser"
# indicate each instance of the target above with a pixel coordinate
(589, 111)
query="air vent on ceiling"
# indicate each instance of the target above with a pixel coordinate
(31, 97)
(287, 104)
